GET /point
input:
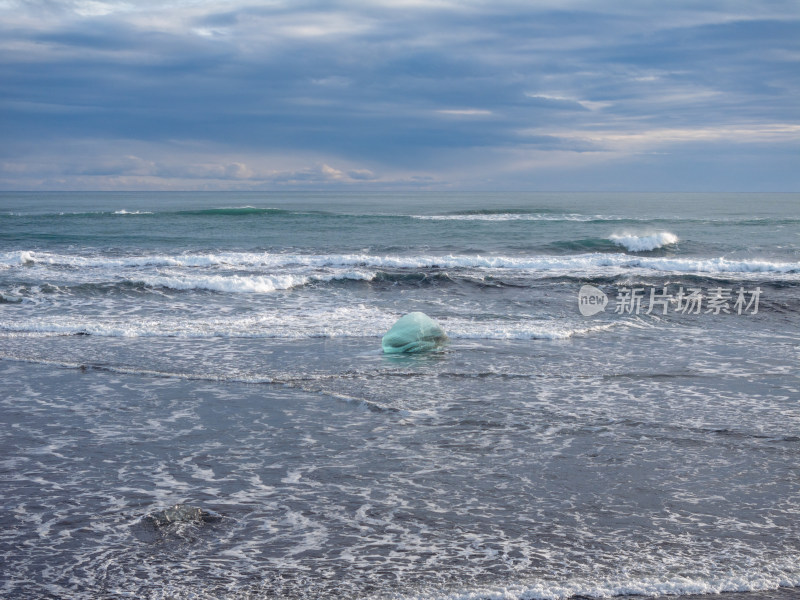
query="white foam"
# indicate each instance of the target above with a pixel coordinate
(644, 242)
(585, 264)
(17, 258)
(132, 212)
(238, 284)
(78, 261)
(353, 321)
(11, 298)
(231, 284)
(525, 330)
(647, 587)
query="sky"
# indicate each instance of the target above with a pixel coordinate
(539, 95)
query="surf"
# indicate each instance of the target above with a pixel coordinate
(644, 242)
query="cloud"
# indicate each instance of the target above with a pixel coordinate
(390, 92)
(105, 164)
(656, 139)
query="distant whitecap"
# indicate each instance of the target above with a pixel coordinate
(644, 243)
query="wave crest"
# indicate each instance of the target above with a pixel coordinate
(238, 284)
(644, 243)
(361, 266)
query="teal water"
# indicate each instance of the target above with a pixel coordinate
(710, 224)
(222, 350)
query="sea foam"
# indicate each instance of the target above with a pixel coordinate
(304, 264)
(238, 284)
(358, 321)
(645, 242)
(645, 587)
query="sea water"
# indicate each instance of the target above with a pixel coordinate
(223, 351)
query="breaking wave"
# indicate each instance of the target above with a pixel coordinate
(644, 243)
(238, 284)
(586, 263)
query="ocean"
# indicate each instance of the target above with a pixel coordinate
(616, 412)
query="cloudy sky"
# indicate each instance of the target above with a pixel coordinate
(400, 94)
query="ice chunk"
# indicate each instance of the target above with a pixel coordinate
(414, 332)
